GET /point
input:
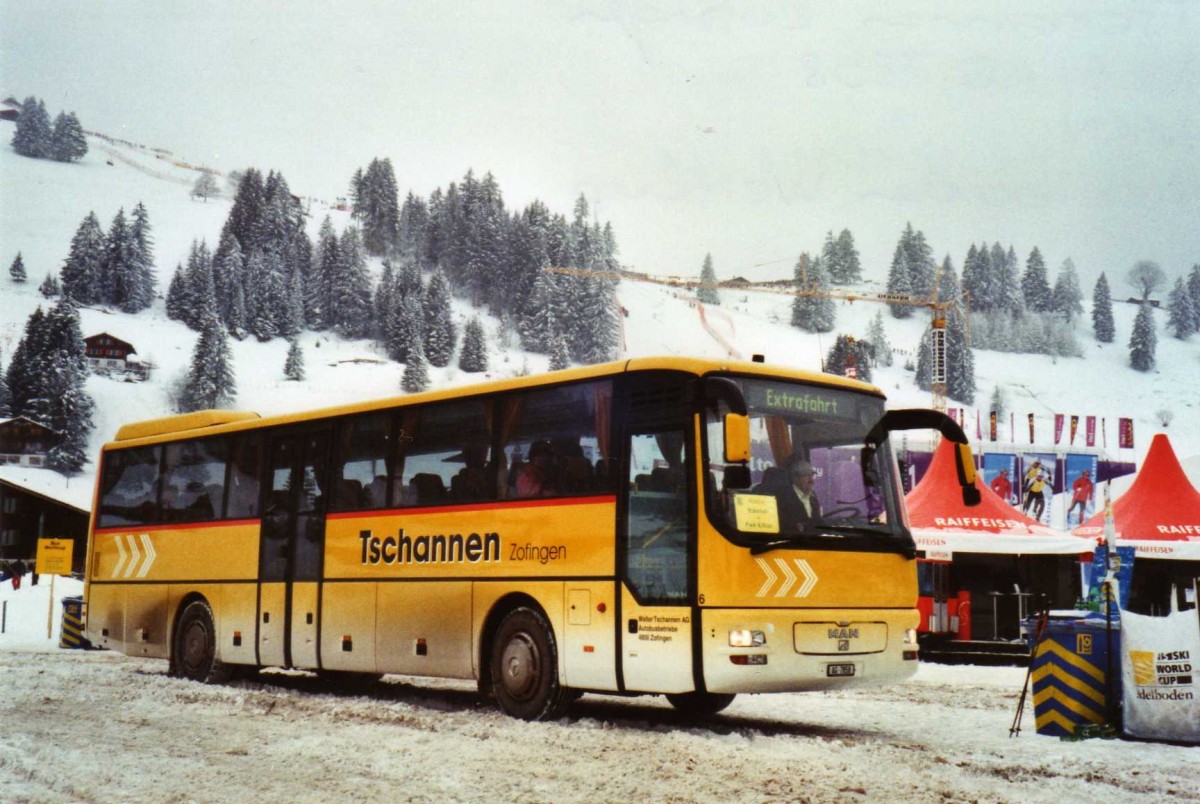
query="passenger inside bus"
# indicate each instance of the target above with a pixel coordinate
(537, 476)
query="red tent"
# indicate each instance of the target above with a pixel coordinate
(1160, 513)
(941, 523)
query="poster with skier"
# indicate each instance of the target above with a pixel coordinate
(1080, 486)
(1038, 475)
(999, 472)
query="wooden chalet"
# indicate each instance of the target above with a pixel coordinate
(10, 109)
(107, 353)
(25, 442)
(27, 515)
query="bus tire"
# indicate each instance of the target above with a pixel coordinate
(524, 667)
(700, 704)
(195, 646)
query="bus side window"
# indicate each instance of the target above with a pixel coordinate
(129, 487)
(194, 480)
(447, 453)
(556, 441)
(244, 464)
(364, 455)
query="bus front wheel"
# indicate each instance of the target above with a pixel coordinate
(524, 667)
(195, 653)
(700, 704)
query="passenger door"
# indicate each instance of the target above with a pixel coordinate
(291, 549)
(657, 564)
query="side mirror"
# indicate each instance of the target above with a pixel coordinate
(737, 438)
(964, 460)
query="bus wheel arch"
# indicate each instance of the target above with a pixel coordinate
(194, 643)
(520, 653)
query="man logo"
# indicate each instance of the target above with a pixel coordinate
(1143, 667)
(844, 645)
(1083, 644)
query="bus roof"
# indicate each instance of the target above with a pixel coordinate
(232, 420)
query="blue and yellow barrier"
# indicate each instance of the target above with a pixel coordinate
(1070, 667)
(72, 624)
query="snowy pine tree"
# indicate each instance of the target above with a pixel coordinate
(1035, 288)
(351, 284)
(416, 375)
(17, 269)
(595, 331)
(1066, 298)
(811, 311)
(474, 357)
(438, 323)
(1143, 341)
(1182, 317)
(899, 283)
(559, 358)
(210, 381)
(85, 262)
(846, 353)
(706, 292)
(881, 348)
(5, 396)
(1193, 285)
(924, 371)
(179, 298)
(537, 324)
(67, 141)
(1102, 312)
(960, 360)
(33, 135)
(49, 287)
(293, 367)
(140, 282)
(848, 263)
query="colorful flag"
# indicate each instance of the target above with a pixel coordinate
(1104, 433)
(1074, 427)
(1091, 431)
(1012, 427)
(1058, 427)
(978, 427)
(992, 424)
(1030, 428)
(1126, 434)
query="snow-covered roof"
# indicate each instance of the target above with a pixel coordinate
(75, 492)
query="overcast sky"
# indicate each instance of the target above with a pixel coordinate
(742, 129)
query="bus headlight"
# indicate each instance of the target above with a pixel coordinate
(910, 636)
(745, 638)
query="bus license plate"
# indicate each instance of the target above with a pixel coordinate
(839, 670)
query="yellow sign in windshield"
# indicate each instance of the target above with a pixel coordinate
(756, 513)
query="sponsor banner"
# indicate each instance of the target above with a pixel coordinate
(1120, 563)
(1125, 439)
(992, 425)
(1038, 472)
(999, 469)
(1159, 669)
(1080, 483)
(1058, 427)
(1090, 431)
(1074, 428)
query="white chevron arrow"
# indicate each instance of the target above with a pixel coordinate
(148, 546)
(810, 578)
(136, 556)
(789, 576)
(766, 568)
(121, 553)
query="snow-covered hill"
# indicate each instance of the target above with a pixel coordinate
(43, 203)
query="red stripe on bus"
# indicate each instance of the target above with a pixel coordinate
(490, 506)
(218, 523)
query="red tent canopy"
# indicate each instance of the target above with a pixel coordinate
(1160, 513)
(940, 521)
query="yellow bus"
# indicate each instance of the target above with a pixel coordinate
(624, 528)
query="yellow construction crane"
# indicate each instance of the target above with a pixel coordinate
(806, 289)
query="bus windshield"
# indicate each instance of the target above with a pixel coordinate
(808, 485)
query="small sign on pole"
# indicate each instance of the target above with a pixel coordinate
(53, 558)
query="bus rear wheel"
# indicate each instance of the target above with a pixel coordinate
(524, 667)
(700, 704)
(195, 649)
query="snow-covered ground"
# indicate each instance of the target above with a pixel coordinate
(97, 726)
